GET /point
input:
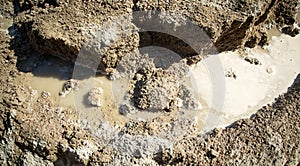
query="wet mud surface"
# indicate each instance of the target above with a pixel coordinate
(44, 123)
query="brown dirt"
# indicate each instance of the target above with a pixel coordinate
(32, 124)
(59, 28)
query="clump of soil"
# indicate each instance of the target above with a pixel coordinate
(154, 89)
(95, 96)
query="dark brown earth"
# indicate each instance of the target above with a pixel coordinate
(60, 28)
(34, 131)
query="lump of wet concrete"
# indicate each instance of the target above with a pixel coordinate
(94, 96)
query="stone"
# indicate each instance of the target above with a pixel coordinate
(68, 87)
(45, 94)
(125, 109)
(94, 96)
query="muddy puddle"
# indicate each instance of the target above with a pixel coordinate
(49, 74)
(248, 84)
(251, 82)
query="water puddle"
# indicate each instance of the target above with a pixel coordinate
(48, 74)
(248, 86)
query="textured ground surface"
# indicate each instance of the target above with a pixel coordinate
(34, 131)
(60, 28)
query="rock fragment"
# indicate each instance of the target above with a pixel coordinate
(45, 94)
(125, 109)
(68, 87)
(94, 97)
(251, 60)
